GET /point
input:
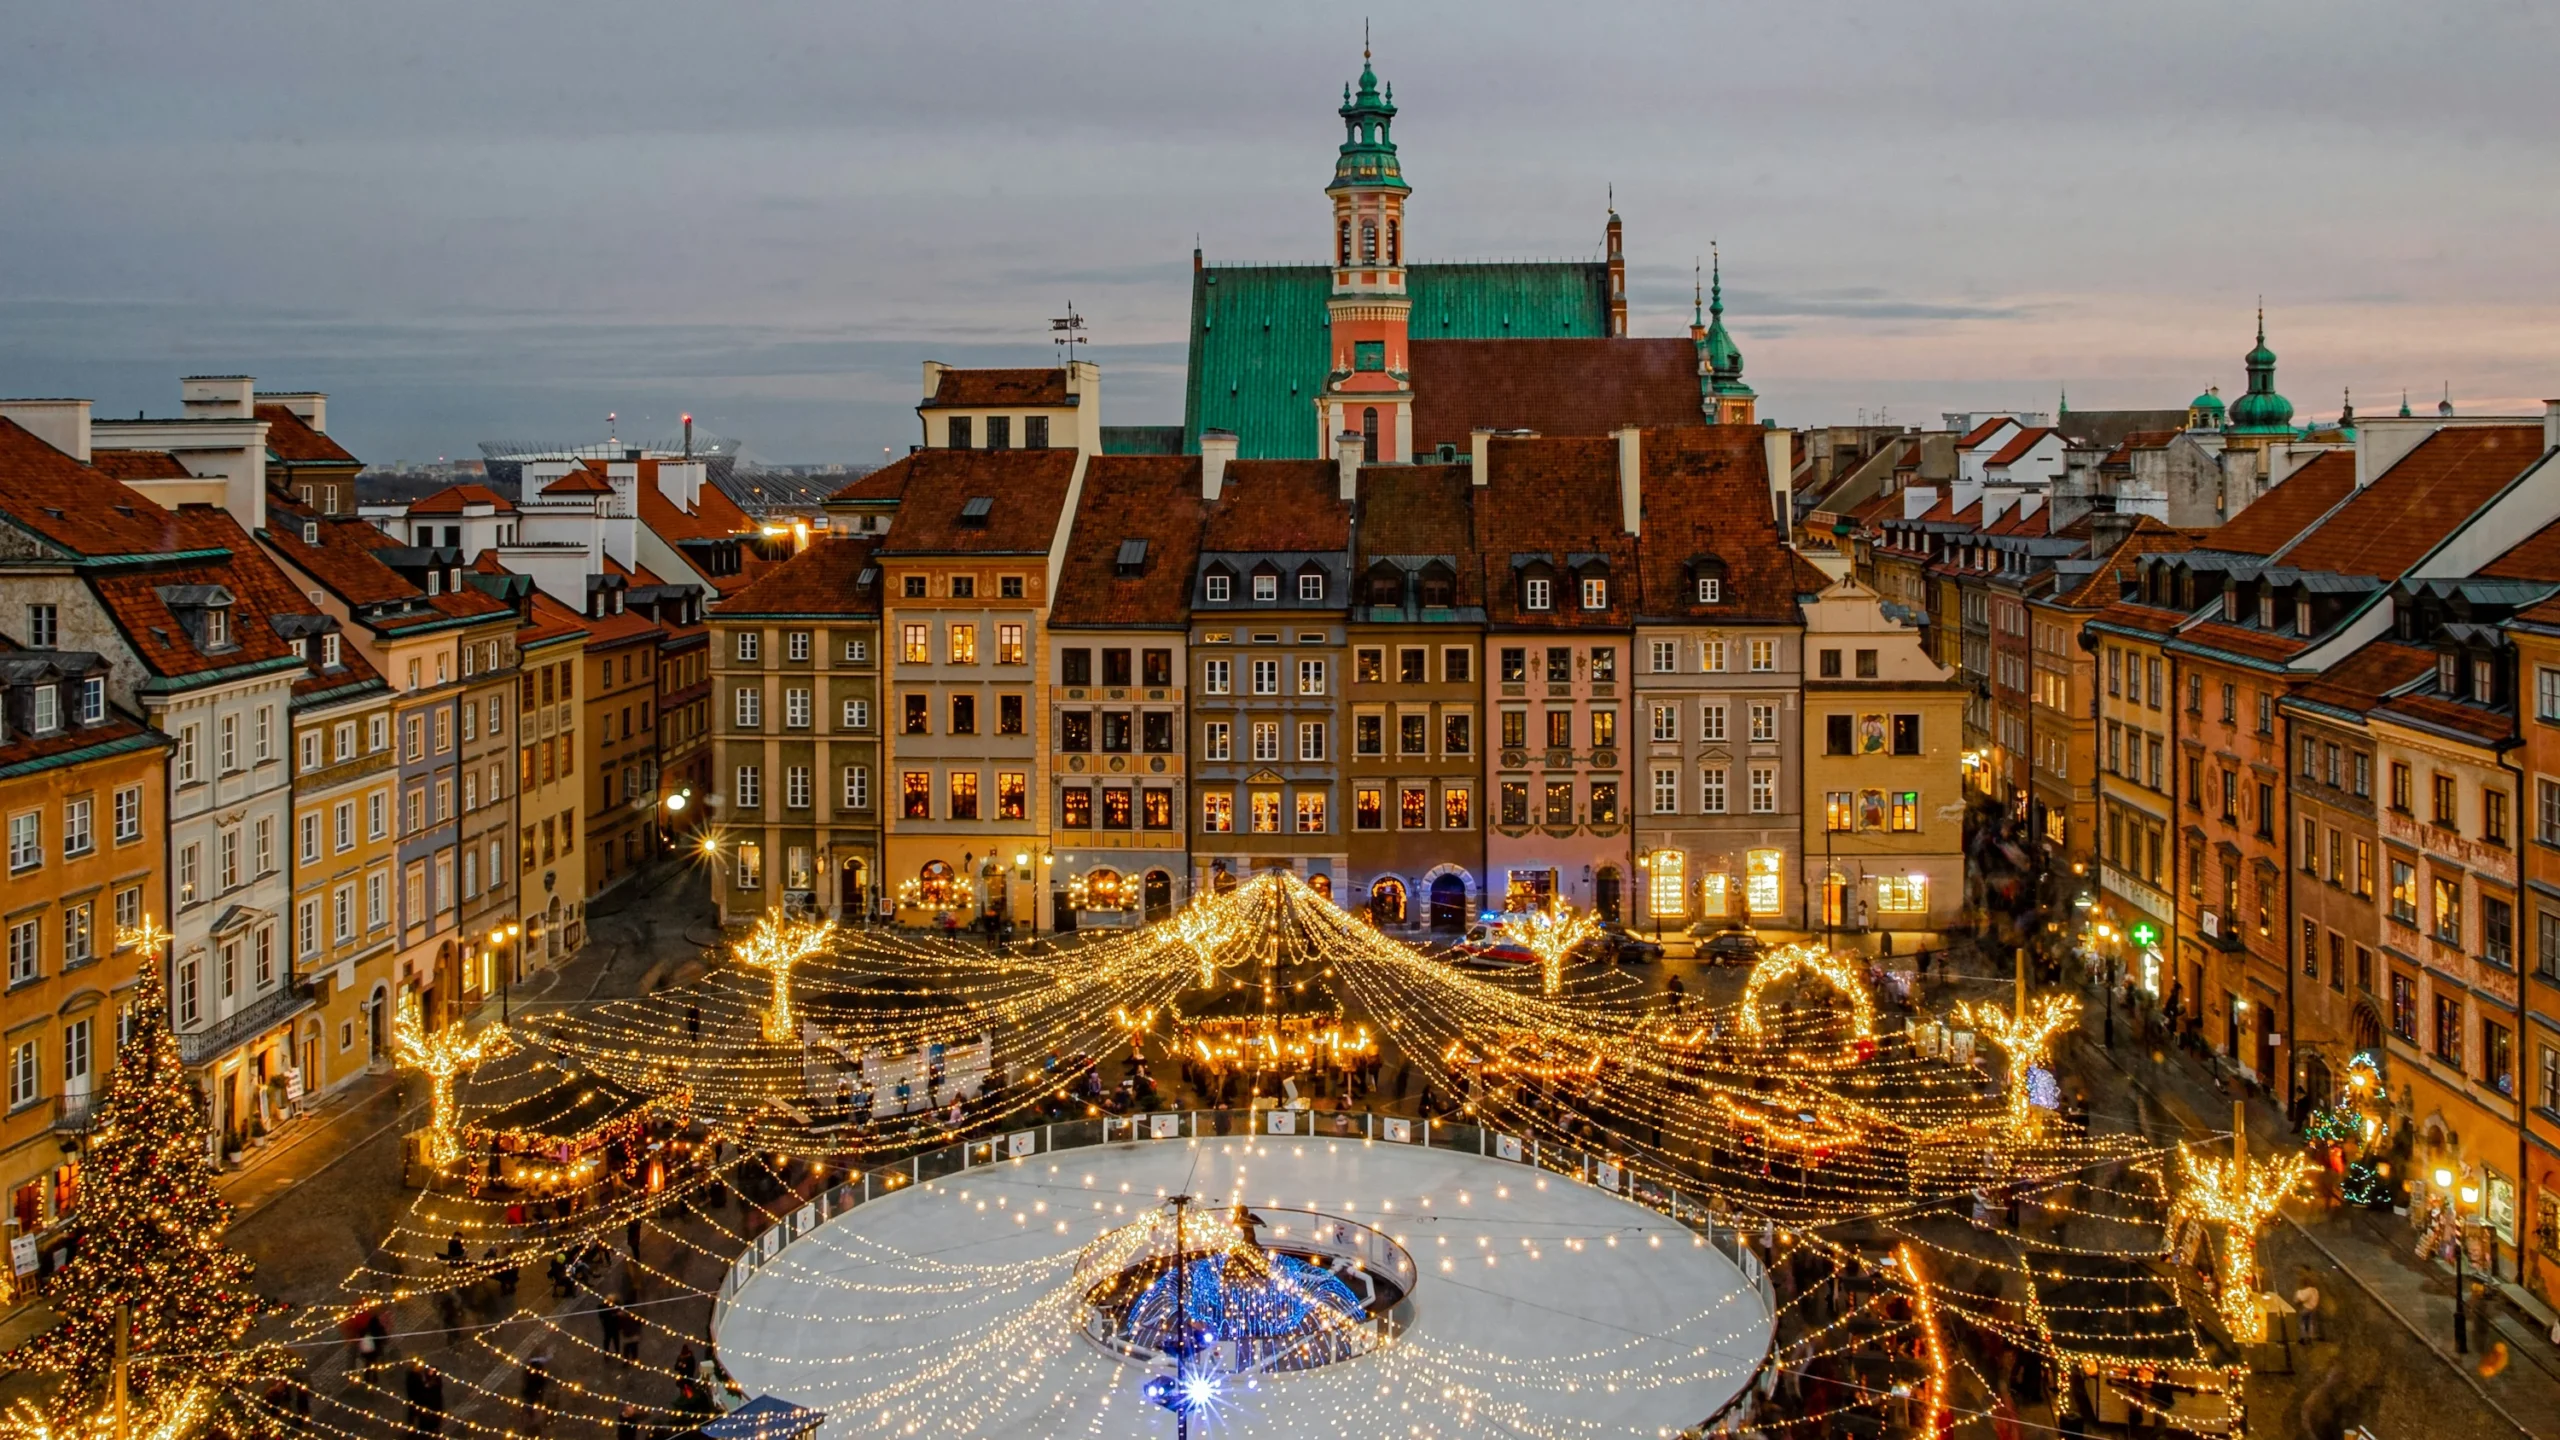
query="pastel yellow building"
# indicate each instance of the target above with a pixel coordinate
(344, 942)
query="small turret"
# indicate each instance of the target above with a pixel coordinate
(2261, 411)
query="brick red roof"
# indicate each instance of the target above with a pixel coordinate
(823, 579)
(139, 465)
(2020, 444)
(1706, 493)
(1555, 498)
(714, 516)
(1029, 488)
(291, 439)
(82, 509)
(1983, 431)
(886, 483)
(344, 562)
(2106, 583)
(581, 481)
(2535, 557)
(1276, 506)
(551, 620)
(2138, 440)
(982, 389)
(452, 499)
(2428, 708)
(1552, 386)
(258, 589)
(1154, 498)
(1422, 510)
(2361, 680)
(2267, 523)
(2392, 523)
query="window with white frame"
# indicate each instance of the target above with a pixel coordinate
(1537, 593)
(1764, 654)
(1666, 722)
(1711, 655)
(79, 933)
(26, 1074)
(1214, 740)
(1311, 585)
(1266, 677)
(26, 950)
(750, 787)
(798, 642)
(1764, 789)
(796, 708)
(1711, 790)
(79, 832)
(26, 841)
(750, 643)
(795, 786)
(1711, 722)
(1213, 677)
(93, 700)
(1311, 740)
(857, 714)
(748, 706)
(306, 926)
(1764, 721)
(1666, 790)
(1595, 593)
(857, 787)
(1266, 739)
(1666, 656)
(1310, 677)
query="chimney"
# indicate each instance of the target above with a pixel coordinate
(1778, 447)
(1480, 457)
(217, 397)
(1918, 500)
(2108, 530)
(311, 407)
(2551, 425)
(1217, 452)
(62, 424)
(1630, 478)
(1346, 463)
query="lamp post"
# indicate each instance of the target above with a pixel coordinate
(501, 937)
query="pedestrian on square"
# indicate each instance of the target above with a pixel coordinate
(454, 1254)
(2306, 1302)
(627, 1425)
(631, 1236)
(608, 1325)
(413, 1391)
(537, 1383)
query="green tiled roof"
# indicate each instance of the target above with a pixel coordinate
(1258, 336)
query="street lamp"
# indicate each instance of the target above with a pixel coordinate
(500, 937)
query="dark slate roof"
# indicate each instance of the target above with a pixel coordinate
(1580, 386)
(1261, 338)
(1147, 503)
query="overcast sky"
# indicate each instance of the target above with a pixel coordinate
(478, 221)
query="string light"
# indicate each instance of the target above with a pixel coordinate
(440, 1057)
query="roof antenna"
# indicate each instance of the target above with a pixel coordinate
(1067, 332)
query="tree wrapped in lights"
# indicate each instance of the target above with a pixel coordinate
(2025, 1038)
(174, 1419)
(148, 1237)
(2238, 1198)
(1552, 935)
(1198, 930)
(775, 946)
(440, 1056)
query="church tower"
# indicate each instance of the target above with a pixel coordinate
(1723, 395)
(1367, 398)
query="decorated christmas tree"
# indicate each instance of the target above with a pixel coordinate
(148, 1236)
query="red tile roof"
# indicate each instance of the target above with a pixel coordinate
(21, 746)
(259, 594)
(2485, 726)
(291, 439)
(2020, 444)
(1028, 488)
(343, 561)
(2106, 583)
(2393, 522)
(823, 579)
(1415, 510)
(2361, 680)
(1274, 506)
(1555, 498)
(2267, 523)
(1706, 493)
(981, 389)
(551, 621)
(452, 499)
(714, 516)
(581, 481)
(1552, 386)
(886, 483)
(80, 508)
(139, 465)
(1983, 431)
(2535, 557)
(1153, 498)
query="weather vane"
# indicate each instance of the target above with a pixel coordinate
(1067, 332)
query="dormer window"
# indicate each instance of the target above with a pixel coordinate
(1385, 585)
(1706, 580)
(2483, 682)
(329, 651)
(2448, 677)
(299, 652)
(217, 626)
(1595, 592)
(2302, 615)
(435, 582)
(310, 532)
(1537, 592)
(974, 514)
(1266, 585)
(48, 709)
(1131, 561)
(1311, 584)
(93, 700)
(1217, 587)
(1439, 587)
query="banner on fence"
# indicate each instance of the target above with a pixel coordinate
(1605, 1176)
(1399, 1130)
(1508, 1147)
(1021, 1143)
(805, 1221)
(1164, 1127)
(1282, 1122)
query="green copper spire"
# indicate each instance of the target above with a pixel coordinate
(2404, 402)
(1724, 358)
(2262, 411)
(1368, 158)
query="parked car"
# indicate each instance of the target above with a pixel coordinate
(1727, 945)
(1492, 947)
(1616, 942)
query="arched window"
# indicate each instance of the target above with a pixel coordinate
(1346, 243)
(1395, 254)
(1369, 435)
(1369, 242)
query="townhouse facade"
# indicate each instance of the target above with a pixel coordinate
(551, 649)
(795, 663)
(344, 944)
(2535, 633)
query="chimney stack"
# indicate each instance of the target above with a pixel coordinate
(1479, 447)
(217, 397)
(1346, 463)
(1778, 448)
(1217, 452)
(1630, 478)
(62, 424)
(2108, 530)
(2551, 425)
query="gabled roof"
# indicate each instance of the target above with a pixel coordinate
(80, 508)
(1983, 431)
(1554, 499)
(550, 621)
(453, 499)
(1706, 493)
(291, 439)
(139, 465)
(581, 481)
(1412, 511)
(714, 516)
(825, 579)
(2393, 522)
(1153, 501)
(982, 389)
(2106, 583)
(2272, 520)
(1030, 486)
(348, 562)
(1277, 507)
(138, 601)
(1587, 385)
(2019, 444)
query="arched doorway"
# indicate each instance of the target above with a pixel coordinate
(1102, 890)
(1387, 902)
(1159, 892)
(853, 895)
(1449, 904)
(1605, 890)
(375, 1008)
(936, 885)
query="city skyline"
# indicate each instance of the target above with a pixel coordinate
(771, 230)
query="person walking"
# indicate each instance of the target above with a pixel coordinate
(2306, 1303)
(537, 1383)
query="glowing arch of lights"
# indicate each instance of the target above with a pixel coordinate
(1840, 970)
